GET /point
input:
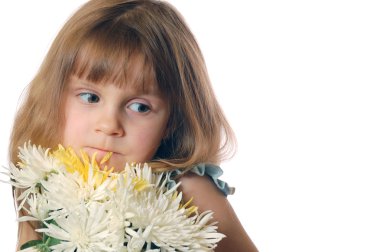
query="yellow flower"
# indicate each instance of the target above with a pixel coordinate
(189, 209)
(140, 184)
(82, 164)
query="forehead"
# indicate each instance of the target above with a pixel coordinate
(106, 61)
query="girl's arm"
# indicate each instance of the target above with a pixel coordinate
(206, 196)
(26, 233)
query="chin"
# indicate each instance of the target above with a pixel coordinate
(117, 164)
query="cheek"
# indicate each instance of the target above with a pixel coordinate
(73, 127)
(149, 141)
(149, 131)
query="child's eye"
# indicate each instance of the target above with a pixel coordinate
(89, 97)
(139, 107)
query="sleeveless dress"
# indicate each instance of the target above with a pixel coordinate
(210, 170)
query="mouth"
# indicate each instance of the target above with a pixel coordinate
(116, 160)
(100, 153)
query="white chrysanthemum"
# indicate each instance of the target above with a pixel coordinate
(88, 209)
(37, 210)
(84, 231)
(160, 219)
(166, 224)
(34, 167)
(119, 207)
(137, 242)
(67, 190)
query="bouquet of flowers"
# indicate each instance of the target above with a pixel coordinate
(83, 206)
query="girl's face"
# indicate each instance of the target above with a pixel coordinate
(106, 118)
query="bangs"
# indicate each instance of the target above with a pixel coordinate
(108, 56)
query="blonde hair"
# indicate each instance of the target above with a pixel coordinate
(99, 43)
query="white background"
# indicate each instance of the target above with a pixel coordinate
(299, 82)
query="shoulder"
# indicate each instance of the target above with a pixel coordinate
(207, 196)
(201, 188)
(211, 171)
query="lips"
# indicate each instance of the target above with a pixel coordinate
(116, 161)
(100, 153)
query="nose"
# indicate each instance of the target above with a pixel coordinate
(109, 123)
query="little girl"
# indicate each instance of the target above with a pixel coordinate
(127, 76)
